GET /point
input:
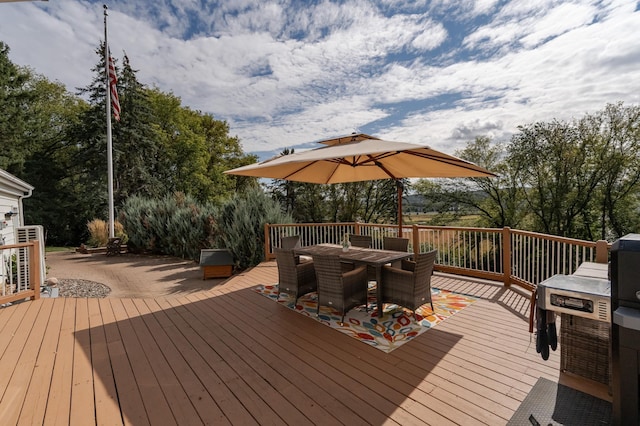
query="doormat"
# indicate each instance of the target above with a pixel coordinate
(550, 403)
(397, 326)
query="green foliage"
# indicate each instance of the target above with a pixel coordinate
(136, 154)
(196, 150)
(578, 179)
(57, 142)
(176, 224)
(616, 133)
(497, 200)
(242, 220)
(181, 226)
(368, 201)
(52, 164)
(14, 95)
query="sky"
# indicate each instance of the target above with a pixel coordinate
(288, 73)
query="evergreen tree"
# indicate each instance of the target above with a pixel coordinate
(136, 155)
(90, 134)
(15, 96)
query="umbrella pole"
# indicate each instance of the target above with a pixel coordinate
(399, 187)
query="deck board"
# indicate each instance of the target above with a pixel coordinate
(82, 398)
(294, 357)
(201, 363)
(36, 399)
(267, 366)
(233, 371)
(129, 397)
(343, 360)
(232, 356)
(59, 403)
(195, 391)
(315, 344)
(155, 402)
(173, 392)
(105, 393)
(17, 386)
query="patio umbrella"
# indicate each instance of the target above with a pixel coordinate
(360, 157)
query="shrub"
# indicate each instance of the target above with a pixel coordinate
(176, 224)
(180, 226)
(242, 220)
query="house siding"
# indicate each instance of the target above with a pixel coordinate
(12, 190)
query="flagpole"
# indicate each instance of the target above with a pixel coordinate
(109, 142)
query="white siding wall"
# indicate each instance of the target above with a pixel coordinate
(7, 236)
(7, 203)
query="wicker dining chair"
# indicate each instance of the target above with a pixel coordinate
(360, 240)
(340, 290)
(293, 242)
(297, 278)
(409, 286)
(395, 244)
(290, 242)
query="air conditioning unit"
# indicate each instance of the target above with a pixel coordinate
(24, 234)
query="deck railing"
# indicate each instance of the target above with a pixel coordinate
(20, 272)
(501, 254)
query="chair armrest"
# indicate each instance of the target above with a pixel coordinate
(306, 274)
(305, 267)
(408, 265)
(390, 270)
(355, 280)
(347, 266)
(355, 273)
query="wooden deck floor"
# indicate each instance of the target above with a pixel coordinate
(231, 356)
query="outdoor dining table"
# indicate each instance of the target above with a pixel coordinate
(364, 256)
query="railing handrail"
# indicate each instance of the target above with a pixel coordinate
(514, 256)
(17, 245)
(568, 240)
(458, 228)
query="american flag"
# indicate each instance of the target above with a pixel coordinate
(113, 80)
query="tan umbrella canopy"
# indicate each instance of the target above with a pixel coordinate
(360, 157)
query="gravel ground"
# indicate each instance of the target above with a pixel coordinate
(81, 288)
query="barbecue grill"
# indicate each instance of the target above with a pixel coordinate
(579, 296)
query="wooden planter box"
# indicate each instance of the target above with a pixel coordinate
(216, 263)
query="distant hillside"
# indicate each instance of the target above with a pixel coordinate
(416, 203)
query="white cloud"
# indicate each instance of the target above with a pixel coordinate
(52, 44)
(559, 20)
(286, 72)
(433, 36)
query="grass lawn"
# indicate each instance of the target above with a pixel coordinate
(52, 249)
(427, 218)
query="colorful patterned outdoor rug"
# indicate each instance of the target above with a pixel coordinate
(397, 326)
